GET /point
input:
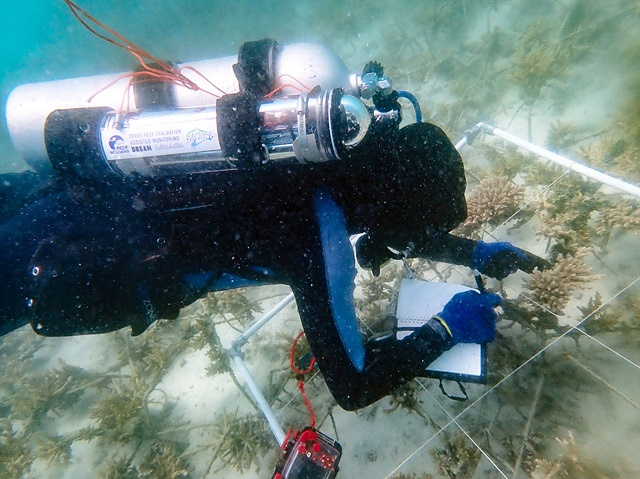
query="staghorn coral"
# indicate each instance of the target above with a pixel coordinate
(458, 459)
(164, 461)
(565, 212)
(406, 397)
(15, 452)
(599, 319)
(553, 287)
(562, 135)
(55, 450)
(52, 391)
(558, 228)
(570, 465)
(120, 412)
(616, 216)
(150, 354)
(624, 214)
(532, 318)
(375, 295)
(539, 173)
(120, 469)
(617, 155)
(491, 202)
(240, 441)
(402, 475)
(233, 306)
(538, 60)
(220, 361)
(197, 331)
(504, 159)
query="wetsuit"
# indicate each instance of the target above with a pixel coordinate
(89, 259)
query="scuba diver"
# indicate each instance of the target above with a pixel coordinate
(86, 251)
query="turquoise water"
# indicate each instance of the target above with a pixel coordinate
(560, 402)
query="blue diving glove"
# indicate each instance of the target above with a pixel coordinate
(501, 259)
(470, 317)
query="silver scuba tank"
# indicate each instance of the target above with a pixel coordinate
(183, 133)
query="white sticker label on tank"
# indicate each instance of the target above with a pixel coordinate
(172, 132)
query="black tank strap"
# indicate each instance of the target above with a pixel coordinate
(237, 114)
(238, 125)
(255, 69)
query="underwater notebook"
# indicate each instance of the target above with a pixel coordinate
(418, 301)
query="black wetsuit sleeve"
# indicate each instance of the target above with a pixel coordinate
(322, 279)
(73, 267)
(444, 247)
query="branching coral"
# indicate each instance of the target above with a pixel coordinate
(532, 318)
(217, 355)
(624, 214)
(120, 469)
(150, 354)
(458, 459)
(565, 211)
(598, 320)
(562, 135)
(240, 441)
(406, 397)
(198, 332)
(49, 391)
(616, 216)
(164, 461)
(15, 452)
(491, 202)
(558, 228)
(55, 450)
(619, 316)
(120, 412)
(553, 287)
(617, 155)
(402, 475)
(505, 160)
(233, 306)
(374, 303)
(571, 464)
(539, 59)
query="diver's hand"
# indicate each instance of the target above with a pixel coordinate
(470, 317)
(372, 254)
(501, 259)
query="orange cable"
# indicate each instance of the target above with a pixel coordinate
(165, 72)
(300, 374)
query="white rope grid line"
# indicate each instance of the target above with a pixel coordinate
(572, 328)
(454, 421)
(621, 356)
(508, 376)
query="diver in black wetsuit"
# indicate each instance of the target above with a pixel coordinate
(84, 259)
(88, 252)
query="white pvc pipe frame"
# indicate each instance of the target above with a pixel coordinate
(571, 165)
(235, 351)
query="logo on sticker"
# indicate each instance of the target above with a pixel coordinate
(117, 144)
(198, 136)
(115, 140)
